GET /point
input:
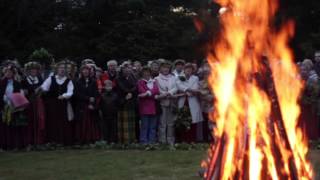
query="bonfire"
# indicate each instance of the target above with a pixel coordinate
(257, 86)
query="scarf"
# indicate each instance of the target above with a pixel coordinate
(149, 83)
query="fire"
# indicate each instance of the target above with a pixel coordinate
(256, 85)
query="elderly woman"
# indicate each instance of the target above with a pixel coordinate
(188, 87)
(127, 91)
(59, 114)
(168, 88)
(111, 73)
(35, 112)
(309, 118)
(13, 128)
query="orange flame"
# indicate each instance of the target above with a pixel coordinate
(256, 108)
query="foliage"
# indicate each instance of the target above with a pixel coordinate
(184, 119)
(99, 29)
(41, 55)
(134, 29)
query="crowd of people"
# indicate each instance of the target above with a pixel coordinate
(160, 102)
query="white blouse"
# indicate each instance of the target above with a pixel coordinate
(60, 80)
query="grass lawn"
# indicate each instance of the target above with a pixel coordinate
(102, 164)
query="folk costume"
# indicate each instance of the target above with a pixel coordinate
(35, 111)
(59, 113)
(13, 125)
(86, 125)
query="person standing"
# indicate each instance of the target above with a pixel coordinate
(59, 89)
(154, 65)
(13, 127)
(108, 107)
(167, 87)
(148, 90)
(111, 73)
(309, 117)
(189, 90)
(178, 67)
(85, 95)
(127, 90)
(35, 111)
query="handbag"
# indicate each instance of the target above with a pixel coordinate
(18, 101)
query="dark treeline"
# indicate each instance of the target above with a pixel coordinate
(120, 29)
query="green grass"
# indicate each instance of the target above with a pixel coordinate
(99, 164)
(107, 164)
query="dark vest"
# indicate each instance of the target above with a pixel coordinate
(57, 89)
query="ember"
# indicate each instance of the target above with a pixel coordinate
(256, 85)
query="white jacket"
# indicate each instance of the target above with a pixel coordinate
(166, 84)
(194, 103)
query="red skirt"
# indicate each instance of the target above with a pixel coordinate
(13, 137)
(36, 122)
(59, 129)
(86, 128)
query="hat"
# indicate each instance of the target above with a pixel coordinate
(161, 60)
(125, 64)
(179, 61)
(189, 65)
(85, 66)
(112, 62)
(87, 61)
(166, 63)
(32, 65)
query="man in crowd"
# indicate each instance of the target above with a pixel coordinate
(111, 73)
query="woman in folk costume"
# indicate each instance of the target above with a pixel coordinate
(86, 94)
(127, 91)
(148, 89)
(168, 88)
(59, 114)
(188, 87)
(13, 127)
(35, 111)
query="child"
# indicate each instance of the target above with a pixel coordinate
(147, 89)
(109, 109)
